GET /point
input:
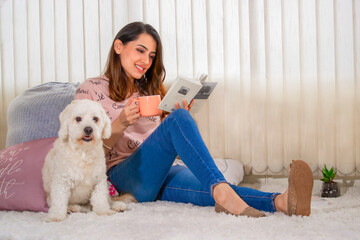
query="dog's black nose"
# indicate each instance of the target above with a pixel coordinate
(88, 130)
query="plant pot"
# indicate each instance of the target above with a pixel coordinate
(330, 189)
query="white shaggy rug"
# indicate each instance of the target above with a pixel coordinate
(330, 219)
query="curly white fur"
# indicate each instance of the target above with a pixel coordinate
(74, 172)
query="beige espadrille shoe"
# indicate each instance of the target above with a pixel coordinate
(301, 182)
(249, 211)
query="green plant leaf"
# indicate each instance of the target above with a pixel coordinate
(328, 174)
(325, 167)
(325, 179)
(326, 171)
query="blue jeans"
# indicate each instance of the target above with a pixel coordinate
(149, 173)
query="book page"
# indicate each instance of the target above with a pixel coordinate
(202, 96)
(206, 90)
(181, 89)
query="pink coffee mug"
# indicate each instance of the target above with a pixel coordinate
(148, 105)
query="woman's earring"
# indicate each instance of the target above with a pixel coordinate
(144, 78)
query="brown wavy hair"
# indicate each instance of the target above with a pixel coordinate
(119, 84)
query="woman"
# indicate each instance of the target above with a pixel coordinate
(141, 150)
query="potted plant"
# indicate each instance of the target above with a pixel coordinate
(329, 187)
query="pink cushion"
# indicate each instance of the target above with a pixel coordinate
(21, 187)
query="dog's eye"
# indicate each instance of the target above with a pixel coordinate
(78, 119)
(96, 119)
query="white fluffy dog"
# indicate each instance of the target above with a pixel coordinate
(74, 172)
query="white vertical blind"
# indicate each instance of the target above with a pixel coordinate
(7, 64)
(168, 35)
(291, 75)
(231, 74)
(61, 43)
(309, 84)
(33, 43)
(135, 10)
(91, 36)
(258, 86)
(326, 81)
(288, 71)
(184, 38)
(216, 113)
(356, 27)
(345, 79)
(275, 82)
(151, 13)
(47, 41)
(105, 30)
(2, 107)
(120, 14)
(20, 53)
(244, 121)
(200, 58)
(76, 51)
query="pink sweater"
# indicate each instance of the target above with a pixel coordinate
(97, 89)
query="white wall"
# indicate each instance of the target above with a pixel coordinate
(288, 71)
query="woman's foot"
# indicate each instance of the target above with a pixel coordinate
(229, 202)
(297, 198)
(281, 202)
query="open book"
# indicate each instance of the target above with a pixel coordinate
(188, 89)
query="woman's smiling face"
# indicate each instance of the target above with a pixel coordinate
(136, 56)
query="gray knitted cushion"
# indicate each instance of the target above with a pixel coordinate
(35, 113)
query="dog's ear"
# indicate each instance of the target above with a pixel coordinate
(64, 122)
(106, 133)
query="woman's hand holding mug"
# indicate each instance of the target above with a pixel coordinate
(149, 105)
